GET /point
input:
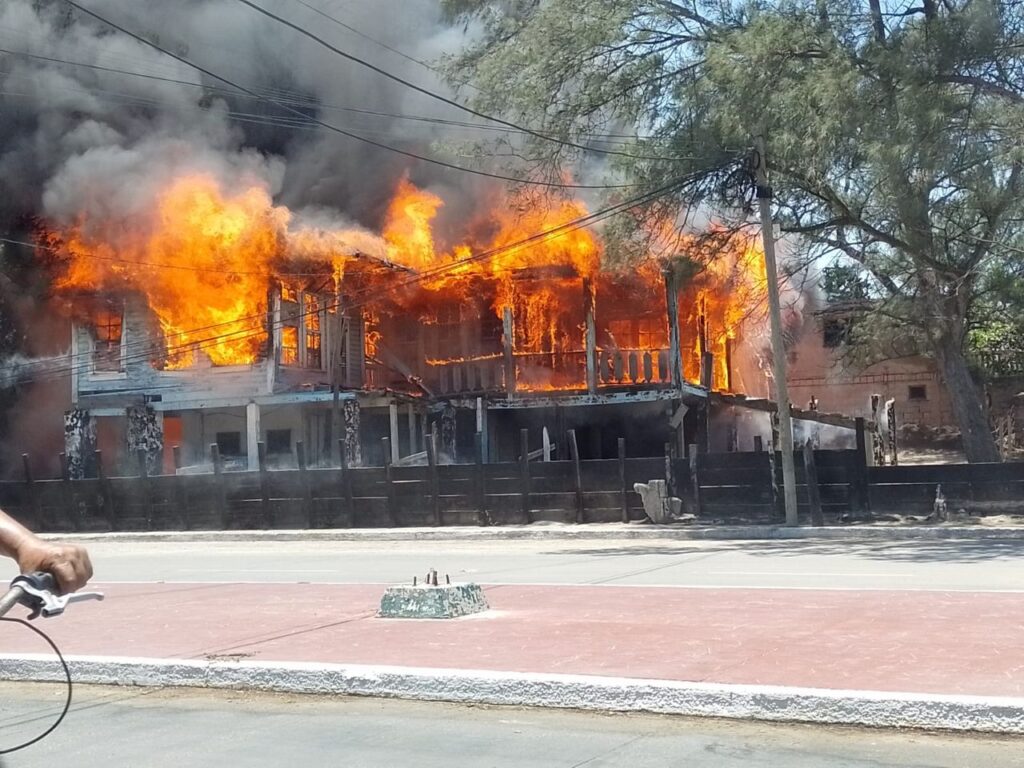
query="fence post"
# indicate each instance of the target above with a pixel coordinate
(481, 481)
(147, 496)
(695, 479)
(577, 479)
(623, 491)
(307, 497)
(811, 478)
(859, 492)
(524, 474)
(181, 484)
(435, 482)
(32, 493)
(346, 485)
(670, 483)
(105, 494)
(68, 493)
(220, 498)
(389, 482)
(266, 518)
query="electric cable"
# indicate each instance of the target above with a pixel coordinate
(67, 676)
(426, 91)
(298, 99)
(341, 131)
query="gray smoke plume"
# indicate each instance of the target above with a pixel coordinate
(85, 137)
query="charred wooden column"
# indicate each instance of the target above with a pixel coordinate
(448, 432)
(508, 340)
(481, 428)
(145, 433)
(393, 426)
(877, 443)
(79, 443)
(590, 335)
(252, 436)
(732, 436)
(410, 411)
(707, 358)
(728, 364)
(353, 448)
(707, 370)
(893, 446)
(672, 308)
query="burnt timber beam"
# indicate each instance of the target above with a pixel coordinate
(770, 406)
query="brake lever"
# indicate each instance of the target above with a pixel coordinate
(43, 602)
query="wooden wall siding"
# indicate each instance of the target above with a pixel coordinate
(732, 487)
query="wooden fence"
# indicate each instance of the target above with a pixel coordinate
(725, 487)
(458, 494)
(735, 487)
(975, 487)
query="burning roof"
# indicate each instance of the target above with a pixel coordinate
(206, 259)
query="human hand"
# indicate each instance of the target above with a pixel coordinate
(69, 563)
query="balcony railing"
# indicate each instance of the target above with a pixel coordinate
(551, 371)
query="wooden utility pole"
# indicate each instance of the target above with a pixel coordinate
(764, 196)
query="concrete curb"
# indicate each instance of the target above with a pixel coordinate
(556, 532)
(770, 703)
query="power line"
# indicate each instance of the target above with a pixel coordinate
(426, 91)
(373, 40)
(298, 99)
(335, 129)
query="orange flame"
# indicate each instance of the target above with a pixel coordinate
(204, 259)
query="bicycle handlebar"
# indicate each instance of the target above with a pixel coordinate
(38, 592)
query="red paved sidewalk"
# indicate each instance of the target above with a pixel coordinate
(925, 642)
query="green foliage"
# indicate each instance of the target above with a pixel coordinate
(895, 131)
(843, 282)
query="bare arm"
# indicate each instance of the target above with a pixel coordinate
(68, 563)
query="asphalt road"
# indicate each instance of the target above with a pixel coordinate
(974, 565)
(165, 728)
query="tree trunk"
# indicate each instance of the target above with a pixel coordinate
(968, 406)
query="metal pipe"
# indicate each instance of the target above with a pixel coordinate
(11, 599)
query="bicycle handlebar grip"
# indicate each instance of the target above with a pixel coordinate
(41, 580)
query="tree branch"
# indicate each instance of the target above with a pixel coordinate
(983, 85)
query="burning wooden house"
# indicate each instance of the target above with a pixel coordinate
(216, 322)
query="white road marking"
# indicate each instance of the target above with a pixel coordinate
(808, 574)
